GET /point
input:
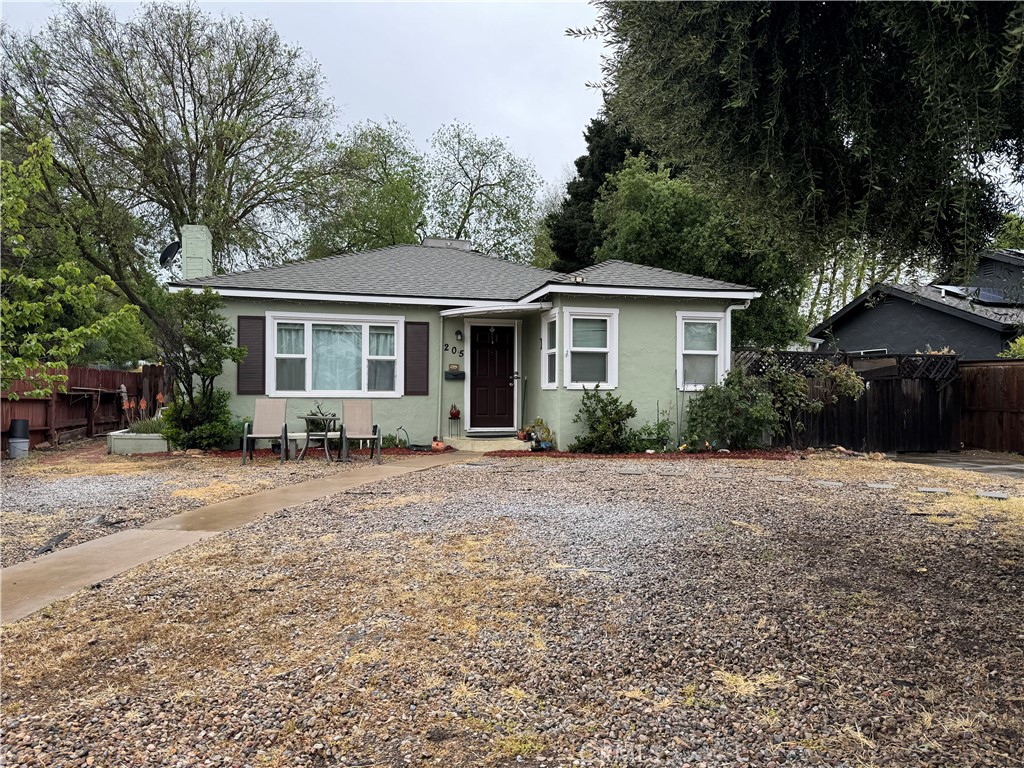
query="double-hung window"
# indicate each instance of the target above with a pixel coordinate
(591, 348)
(335, 355)
(700, 345)
(549, 351)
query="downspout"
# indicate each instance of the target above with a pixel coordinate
(440, 378)
(728, 326)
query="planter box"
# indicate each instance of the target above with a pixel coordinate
(123, 442)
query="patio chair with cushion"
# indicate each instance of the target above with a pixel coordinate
(358, 425)
(269, 422)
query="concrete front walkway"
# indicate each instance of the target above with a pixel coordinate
(990, 463)
(29, 586)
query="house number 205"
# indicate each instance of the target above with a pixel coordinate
(454, 350)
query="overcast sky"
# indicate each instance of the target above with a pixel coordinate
(506, 68)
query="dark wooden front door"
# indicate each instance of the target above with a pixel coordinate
(491, 377)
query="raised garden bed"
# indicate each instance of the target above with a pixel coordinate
(125, 443)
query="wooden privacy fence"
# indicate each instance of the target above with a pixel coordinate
(93, 404)
(992, 404)
(910, 402)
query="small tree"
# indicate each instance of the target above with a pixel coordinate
(196, 341)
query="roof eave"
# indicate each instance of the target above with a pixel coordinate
(612, 290)
(353, 298)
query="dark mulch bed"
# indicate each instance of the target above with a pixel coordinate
(670, 456)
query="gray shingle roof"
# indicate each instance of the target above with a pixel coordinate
(931, 295)
(623, 274)
(427, 271)
(1010, 255)
(1006, 315)
(402, 270)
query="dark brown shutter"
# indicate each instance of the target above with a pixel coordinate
(252, 371)
(417, 358)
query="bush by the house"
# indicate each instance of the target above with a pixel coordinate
(735, 414)
(605, 419)
(393, 441)
(652, 436)
(204, 423)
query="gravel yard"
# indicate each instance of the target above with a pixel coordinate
(80, 490)
(556, 612)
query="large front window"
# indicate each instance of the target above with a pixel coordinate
(328, 355)
(700, 344)
(591, 348)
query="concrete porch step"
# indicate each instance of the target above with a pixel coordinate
(483, 444)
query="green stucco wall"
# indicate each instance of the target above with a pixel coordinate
(646, 364)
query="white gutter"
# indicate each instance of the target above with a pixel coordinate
(676, 293)
(495, 309)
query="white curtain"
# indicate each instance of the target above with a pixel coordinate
(381, 373)
(337, 357)
(291, 338)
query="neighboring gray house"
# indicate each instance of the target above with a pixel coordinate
(420, 328)
(977, 321)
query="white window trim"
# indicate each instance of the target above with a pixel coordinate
(545, 352)
(594, 313)
(309, 319)
(720, 364)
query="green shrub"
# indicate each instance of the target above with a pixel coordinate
(1015, 351)
(393, 441)
(604, 417)
(207, 424)
(736, 414)
(152, 426)
(652, 436)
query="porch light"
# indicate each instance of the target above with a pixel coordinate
(458, 335)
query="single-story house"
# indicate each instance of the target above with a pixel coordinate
(976, 320)
(420, 328)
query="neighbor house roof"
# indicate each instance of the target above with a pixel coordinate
(1001, 318)
(1007, 255)
(444, 273)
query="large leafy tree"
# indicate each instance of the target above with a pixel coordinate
(481, 191)
(36, 341)
(573, 234)
(376, 198)
(646, 216)
(171, 117)
(891, 124)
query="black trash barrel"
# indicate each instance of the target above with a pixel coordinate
(19, 429)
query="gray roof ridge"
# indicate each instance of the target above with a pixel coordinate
(660, 270)
(292, 263)
(338, 256)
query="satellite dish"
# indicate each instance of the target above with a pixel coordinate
(169, 253)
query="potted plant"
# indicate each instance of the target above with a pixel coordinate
(454, 413)
(437, 444)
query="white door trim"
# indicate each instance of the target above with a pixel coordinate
(516, 326)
